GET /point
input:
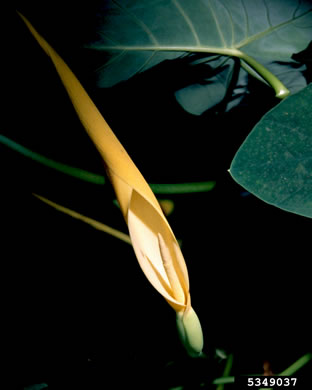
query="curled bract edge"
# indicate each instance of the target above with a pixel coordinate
(154, 243)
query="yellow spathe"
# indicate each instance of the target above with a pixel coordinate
(154, 243)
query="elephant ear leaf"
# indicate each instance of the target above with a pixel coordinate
(275, 161)
(262, 34)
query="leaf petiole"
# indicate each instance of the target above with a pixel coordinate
(280, 90)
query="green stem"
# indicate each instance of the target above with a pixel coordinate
(280, 90)
(287, 372)
(157, 188)
(297, 365)
(226, 371)
(223, 380)
(182, 188)
(67, 169)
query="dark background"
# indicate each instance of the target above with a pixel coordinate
(76, 306)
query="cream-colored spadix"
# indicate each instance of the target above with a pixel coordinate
(154, 243)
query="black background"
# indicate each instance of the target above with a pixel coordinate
(75, 302)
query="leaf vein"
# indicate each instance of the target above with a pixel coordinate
(297, 8)
(232, 23)
(138, 21)
(268, 31)
(146, 62)
(217, 24)
(111, 61)
(188, 21)
(267, 13)
(246, 19)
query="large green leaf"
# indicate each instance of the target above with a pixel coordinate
(275, 161)
(138, 34)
